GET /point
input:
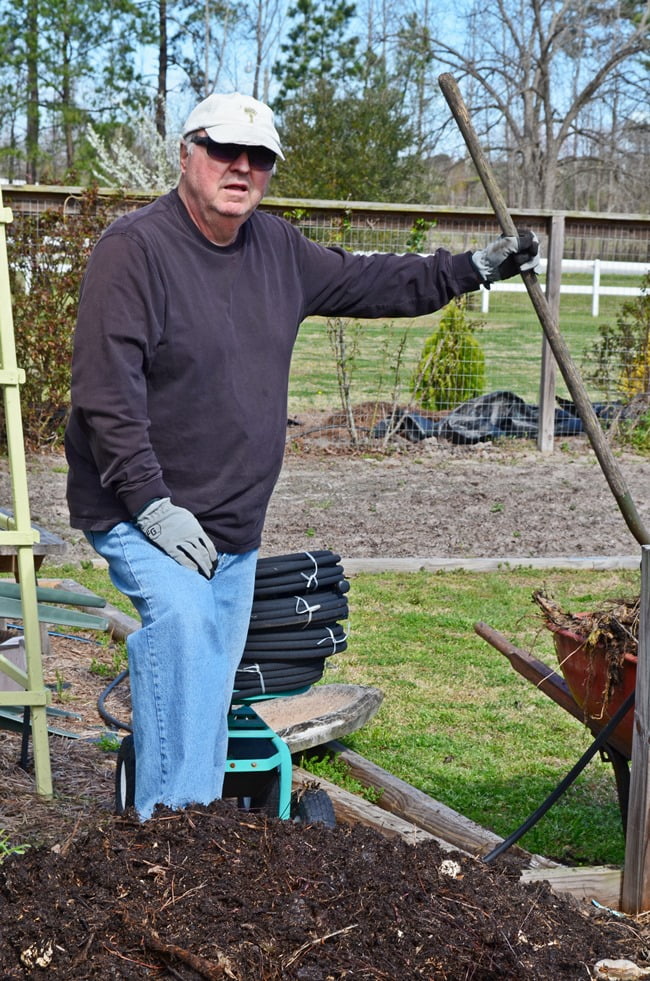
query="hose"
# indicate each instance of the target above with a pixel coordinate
(101, 707)
(299, 599)
(564, 784)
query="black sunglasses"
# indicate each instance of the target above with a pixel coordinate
(259, 157)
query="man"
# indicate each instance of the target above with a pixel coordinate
(187, 318)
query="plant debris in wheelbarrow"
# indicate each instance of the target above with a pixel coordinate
(597, 654)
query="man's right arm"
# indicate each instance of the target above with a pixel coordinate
(119, 323)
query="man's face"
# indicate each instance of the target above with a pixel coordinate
(214, 189)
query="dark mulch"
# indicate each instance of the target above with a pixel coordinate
(219, 893)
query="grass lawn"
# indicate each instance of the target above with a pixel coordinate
(460, 724)
(511, 340)
(457, 721)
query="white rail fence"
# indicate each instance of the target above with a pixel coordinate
(597, 268)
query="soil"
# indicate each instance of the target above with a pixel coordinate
(221, 893)
(211, 893)
(427, 499)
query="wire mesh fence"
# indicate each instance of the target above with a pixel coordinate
(380, 362)
(356, 380)
(374, 375)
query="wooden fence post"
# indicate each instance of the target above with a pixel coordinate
(546, 418)
(636, 874)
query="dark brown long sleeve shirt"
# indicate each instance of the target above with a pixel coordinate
(182, 354)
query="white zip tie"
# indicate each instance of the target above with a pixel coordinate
(333, 639)
(312, 577)
(255, 669)
(306, 608)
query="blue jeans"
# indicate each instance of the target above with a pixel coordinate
(182, 664)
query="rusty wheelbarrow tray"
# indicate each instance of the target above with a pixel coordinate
(576, 699)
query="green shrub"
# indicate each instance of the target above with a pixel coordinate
(419, 235)
(618, 363)
(47, 256)
(451, 368)
(636, 434)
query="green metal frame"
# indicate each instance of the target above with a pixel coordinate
(17, 532)
(265, 752)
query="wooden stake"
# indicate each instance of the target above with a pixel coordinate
(636, 874)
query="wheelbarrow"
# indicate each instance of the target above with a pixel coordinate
(579, 691)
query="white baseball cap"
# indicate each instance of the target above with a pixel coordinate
(235, 118)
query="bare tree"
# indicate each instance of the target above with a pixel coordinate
(539, 67)
(198, 39)
(266, 23)
(163, 68)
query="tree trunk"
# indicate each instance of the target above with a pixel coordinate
(33, 111)
(161, 95)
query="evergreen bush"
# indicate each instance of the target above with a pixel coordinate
(451, 368)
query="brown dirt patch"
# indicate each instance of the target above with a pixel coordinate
(214, 892)
(428, 499)
(435, 500)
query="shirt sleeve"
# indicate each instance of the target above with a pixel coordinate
(340, 283)
(119, 323)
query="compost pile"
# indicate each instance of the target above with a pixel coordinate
(219, 893)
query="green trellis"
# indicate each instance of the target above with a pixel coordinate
(21, 599)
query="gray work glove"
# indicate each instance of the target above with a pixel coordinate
(507, 256)
(177, 532)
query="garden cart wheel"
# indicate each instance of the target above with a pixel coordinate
(313, 806)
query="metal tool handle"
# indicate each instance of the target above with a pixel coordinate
(546, 318)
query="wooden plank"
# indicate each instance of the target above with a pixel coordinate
(44, 542)
(50, 594)
(323, 713)
(599, 883)
(636, 875)
(15, 610)
(411, 804)
(529, 667)
(352, 809)
(120, 625)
